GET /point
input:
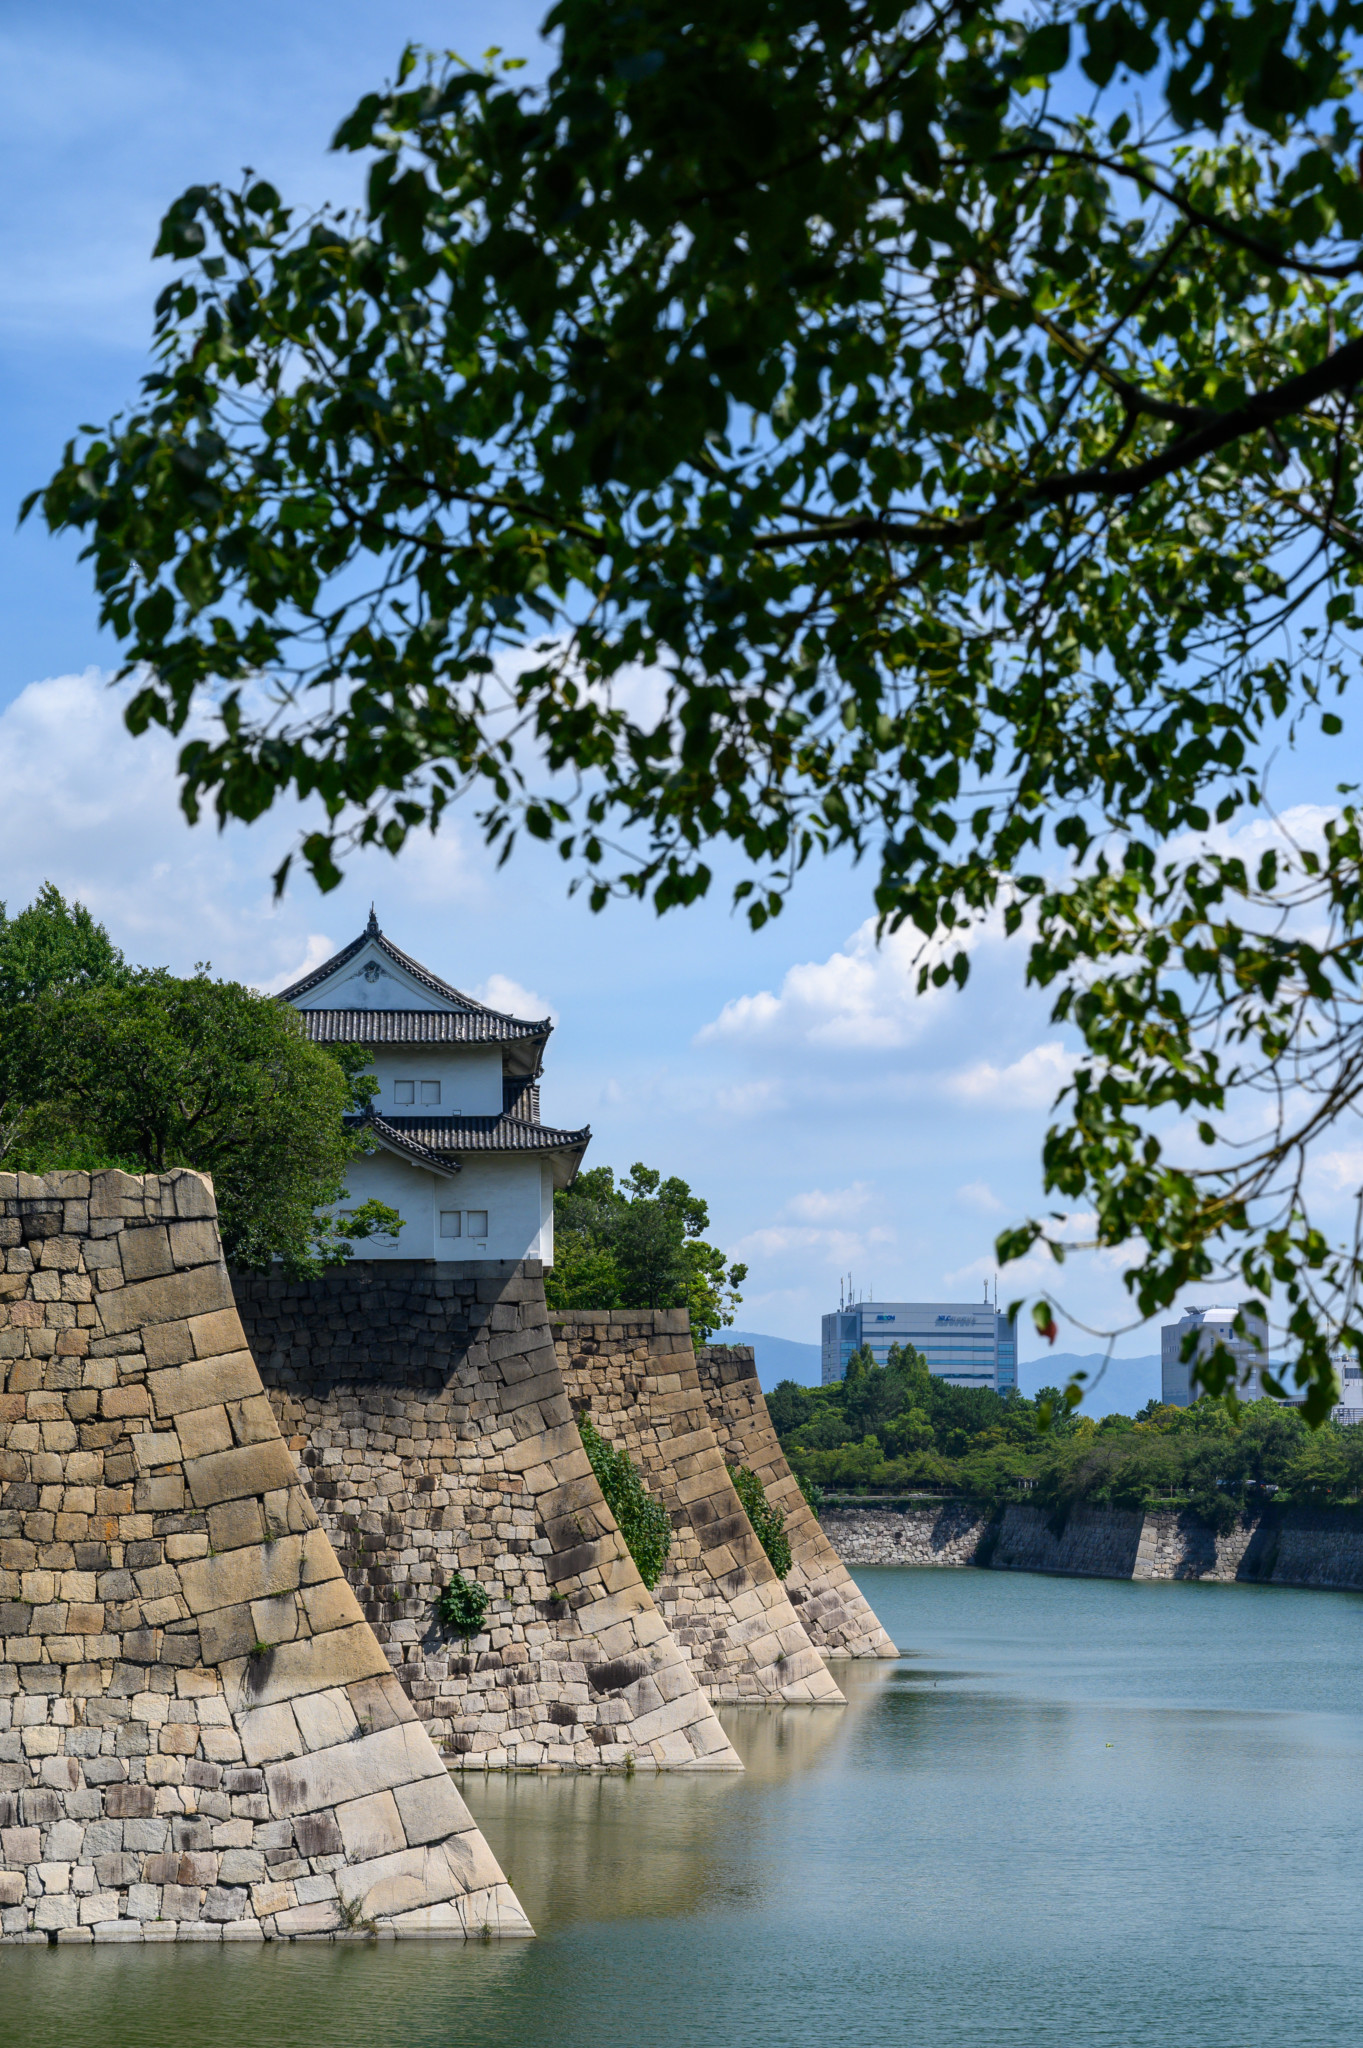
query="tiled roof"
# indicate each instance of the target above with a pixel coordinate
(522, 1026)
(417, 1027)
(409, 1147)
(440, 1136)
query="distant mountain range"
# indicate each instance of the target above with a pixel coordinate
(1126, 1386)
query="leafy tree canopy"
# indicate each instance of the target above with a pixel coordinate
(952, 404)
(896, 1428)
(57, 945)
(638, 1244)
(107, 1065)
(51, 945)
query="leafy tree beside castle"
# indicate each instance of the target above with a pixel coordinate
(637, 1243)
(52, 947)
(103, 1064)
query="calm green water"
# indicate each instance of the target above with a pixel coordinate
(1087, 1813)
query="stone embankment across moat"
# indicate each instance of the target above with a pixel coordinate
(1270, 1546)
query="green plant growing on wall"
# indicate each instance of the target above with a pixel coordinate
(643, 1520)
(462, 1607)
(769, 1523)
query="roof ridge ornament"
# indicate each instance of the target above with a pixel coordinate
(371, 930)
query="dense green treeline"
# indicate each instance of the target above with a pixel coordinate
(104, 1063)
(895, 1428)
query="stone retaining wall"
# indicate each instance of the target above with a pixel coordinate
(945, 1535)
(635, 1372)
(822, 1591)
(428, 1413)
(1280, 1547)
(200, 1737)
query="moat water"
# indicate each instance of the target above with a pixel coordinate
(1083, 1812)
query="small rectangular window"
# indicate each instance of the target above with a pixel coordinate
(449, 1223)
(477, 1222)
(404, 1091)
(430, 1091)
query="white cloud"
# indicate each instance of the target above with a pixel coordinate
(319, 949)
(1339, 1172)
(835, 1247)
(500, 992)
(96, 811)
(818, 1206)
(1032, 1082)
(977, 1194)
(751, 1098)
(862, 998)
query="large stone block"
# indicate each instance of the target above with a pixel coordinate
(167, 1300)
(139, 1692)
(375, 1763)
(240, 1474)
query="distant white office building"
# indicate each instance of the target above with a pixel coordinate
(1213, 1326)
(1349, 1410)
(967, 1343)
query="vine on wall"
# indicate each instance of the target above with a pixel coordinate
(769, 1523)
(643, 1520)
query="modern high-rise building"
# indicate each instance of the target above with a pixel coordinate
(968, 1343)
(1214, 1326)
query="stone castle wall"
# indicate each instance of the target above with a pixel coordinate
(427, 1411)
(821, 1589)
(200, 1737)
(635, 1372)
(1280, 1547)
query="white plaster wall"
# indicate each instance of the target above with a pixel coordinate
(383, 1177)
(470, 1079)
(547, 1212)
(391, 987)
(510, 1190)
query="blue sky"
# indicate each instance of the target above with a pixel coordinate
(834, 1121)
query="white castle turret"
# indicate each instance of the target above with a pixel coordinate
(460, 1153)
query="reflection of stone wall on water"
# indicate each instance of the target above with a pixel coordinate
(821, 1589)
(1271, 1546)
(200, 1738)
(635, 1371)
(608, 1848)
(427, 1410)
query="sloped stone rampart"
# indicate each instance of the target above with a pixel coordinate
(200, 1738)
(838, 1619)
(635, 1372)
(428, 1414)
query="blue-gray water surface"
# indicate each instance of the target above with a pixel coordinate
(1082, 1812)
